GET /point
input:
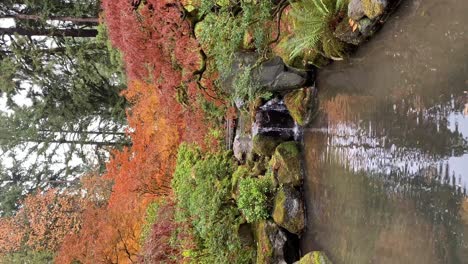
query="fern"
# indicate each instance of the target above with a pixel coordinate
(313, 30)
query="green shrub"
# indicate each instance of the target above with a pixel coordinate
(223, 34)
(253, 198)
(313, 30)
(202, 186)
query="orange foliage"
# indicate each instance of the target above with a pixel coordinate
(12, 235)
(42, 222)
(157, 45)
(161, 57)
(108, 235)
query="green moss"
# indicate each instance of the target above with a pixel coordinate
(27, 256)
(279, 207)
(265, 145)
(287, 163)
(288, 211)
(264, 246)
(242, 172)
(201, 29)
(254, 106)
(260, 166)
(298, 103)
(373, 8)
(315, 257)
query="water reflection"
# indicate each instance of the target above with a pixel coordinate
(395, 139)
(387, 159)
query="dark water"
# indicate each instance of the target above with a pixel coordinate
(387, 159)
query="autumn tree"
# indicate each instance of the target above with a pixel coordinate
(161, 58)
(42, 222)
(45, 218)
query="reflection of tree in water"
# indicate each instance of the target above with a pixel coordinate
(362, 218)
(407, 125)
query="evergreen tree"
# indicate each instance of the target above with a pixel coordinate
(62, 83)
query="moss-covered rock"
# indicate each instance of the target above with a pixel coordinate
(299, 105)
(260, 166)
(315, 257)
(346, 34)
(288, 210)
(254, 106)
(265, 145)
(241, 172)
(374, 8)
(286, 162)
(270, 243)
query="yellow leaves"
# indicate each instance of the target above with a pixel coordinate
(354, 25)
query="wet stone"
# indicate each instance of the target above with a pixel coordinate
(288, 210)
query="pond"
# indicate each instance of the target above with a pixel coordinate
(387, 159)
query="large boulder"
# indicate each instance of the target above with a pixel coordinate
(242, 146)
(299, 103)
(286, 162)
(274, 76)
(288, 210)
(271, 243)
(271, 75)
(265, 145)
(270, 69)
(374, 8)
(314, 257)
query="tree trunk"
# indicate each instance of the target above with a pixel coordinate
(74, 20)
(83, 33)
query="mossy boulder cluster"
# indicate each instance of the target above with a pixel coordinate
(365, 17)
(284, 169)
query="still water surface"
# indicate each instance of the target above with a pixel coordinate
(387, 159)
